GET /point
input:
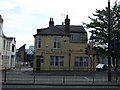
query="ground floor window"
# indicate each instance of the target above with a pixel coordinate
(56, 60)
(80, 61)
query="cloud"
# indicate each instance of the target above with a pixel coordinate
(6, 4)
(23, 17)
(24, 39)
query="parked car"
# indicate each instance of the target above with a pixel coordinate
(100, 67)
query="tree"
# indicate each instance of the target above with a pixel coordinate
(99, 29)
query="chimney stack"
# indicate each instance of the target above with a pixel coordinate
(1, 20)
(1, 25)
(67, 24)
(51, 22)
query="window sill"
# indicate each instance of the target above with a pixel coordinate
(56, 48)
(57, 66)
(80, 67)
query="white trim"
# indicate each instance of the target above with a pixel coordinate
(59, 59)
(38, 39)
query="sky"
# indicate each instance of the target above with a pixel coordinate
(23, 17)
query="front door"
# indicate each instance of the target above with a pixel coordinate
(38, 63)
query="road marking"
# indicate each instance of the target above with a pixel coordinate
(86, 78)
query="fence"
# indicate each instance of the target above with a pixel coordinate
(27, 75)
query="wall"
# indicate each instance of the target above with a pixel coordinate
(68, 49)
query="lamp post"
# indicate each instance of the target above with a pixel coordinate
(109, 44)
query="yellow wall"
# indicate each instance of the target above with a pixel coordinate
(67, 48)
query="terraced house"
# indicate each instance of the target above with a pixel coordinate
(61, 47)
(7, 49)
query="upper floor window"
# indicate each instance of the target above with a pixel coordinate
(76, 36)
(13, 48)
(4, 44)
(57, 42)
(38, 42)
(8, 46)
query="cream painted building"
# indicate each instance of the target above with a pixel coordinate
(7, 49)
(61, 47)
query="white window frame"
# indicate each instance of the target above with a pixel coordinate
(38, 42)
(56, 42)
(54, 63)
(80, 61)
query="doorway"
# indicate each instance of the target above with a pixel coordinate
(38, 63)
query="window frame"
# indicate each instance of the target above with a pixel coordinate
(76, 36)
(38, 42)
(80, 61)
(56, 42)
(13, 48)
(57, 61)
(4, 44)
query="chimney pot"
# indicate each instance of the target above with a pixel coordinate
(51, 22)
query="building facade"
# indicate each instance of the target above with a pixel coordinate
(30, 54)
(7, 49)
(24, 55)
(61, 47)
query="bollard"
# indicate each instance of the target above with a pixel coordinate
(93, 77)
(63, 79)
(116, 75)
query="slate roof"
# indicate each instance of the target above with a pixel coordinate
(73, 28)
(60, 30)
(52, 30)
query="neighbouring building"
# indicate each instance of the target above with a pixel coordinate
(7, 49)
(61, 47)
(29, 55)
(22, 54)
(25, 55)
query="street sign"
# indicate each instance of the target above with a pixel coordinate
(91, 52)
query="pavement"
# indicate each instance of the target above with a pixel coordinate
(63, 84)
(45, 87)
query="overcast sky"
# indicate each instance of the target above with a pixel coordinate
(23, 17)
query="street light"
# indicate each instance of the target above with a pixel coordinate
(109, 44)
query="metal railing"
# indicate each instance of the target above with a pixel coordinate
(28, 75)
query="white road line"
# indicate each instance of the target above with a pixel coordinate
(86, 78)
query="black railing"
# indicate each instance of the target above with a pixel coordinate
(28, 75)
